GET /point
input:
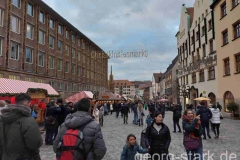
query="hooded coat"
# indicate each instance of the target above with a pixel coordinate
(17, 128)
(92, 135)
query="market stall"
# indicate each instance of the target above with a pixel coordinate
(76, 97)
(39, 92)
(108, 96)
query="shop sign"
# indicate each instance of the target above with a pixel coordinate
(200, 64)
(105, 97)
(37, 95)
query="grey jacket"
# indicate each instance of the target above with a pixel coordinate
(92, 134)
(20, 137)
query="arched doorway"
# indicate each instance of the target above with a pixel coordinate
(212, 97)
(228, 97)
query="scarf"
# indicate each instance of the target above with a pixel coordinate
(188, 120)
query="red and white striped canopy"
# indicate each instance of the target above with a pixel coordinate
(79, 96)
(17, 86)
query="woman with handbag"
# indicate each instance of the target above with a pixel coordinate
(215, 120)
(192, 140)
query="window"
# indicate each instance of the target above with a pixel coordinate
(67, 67)
(209, 25)
(201, 75)
(204, 50)
(192, 38)
(186, 79)
(60, 29)
(67, 89)
(40, 81)
(40, 59)
(29, 79)
(196, 23)
(41, 17)
(67, 50)
(211, 46)
(79, 70)
(14, 77)
(73, 38)
(74, 87)
(237, 57)
(197, 35)
(29, 32)
(225, 37)
(67, 34)
(29, 55)
(226, 66)
(51, 62)
(73, 68)
(84, 60)
(237, 29)
(73, 53)
(1, 46)
(79, 56)
(30, 9)
(51, 42)
(224, 9)
(83, 71)
(206, 12)
(203, 30)
(194, 78)
(198, 55)
(60, 84)
(15, 24)
(41, 37)
(1, 17)
(79, 42)
(51, 23)
(16, 3)
(211, 73)
(60, 44)
(203, 16)
(14, 51)
(51, 83)
(235, 3)
(60, 62)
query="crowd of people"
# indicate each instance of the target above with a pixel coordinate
(74, 129)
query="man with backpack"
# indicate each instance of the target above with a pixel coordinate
(205, 116)
(80, 137)
(20, 137)
(176, 117)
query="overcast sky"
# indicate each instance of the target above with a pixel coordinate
(128, 25)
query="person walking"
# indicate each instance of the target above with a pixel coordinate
(101, 114)
(125, 111)
(158, 138)
(176, 117)
(111, 107)
(215, 120)
(20, 137)
(135, 112)
(219, 106)
(82, 120)
(131, 148)
(118, 108)
(95, 113)
(3, 105)
(192, 140)
(140, 114)
(205, 116)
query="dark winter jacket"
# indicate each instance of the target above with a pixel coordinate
(158, 141)
(175, 117)
(129, 152)
(125, 108)
(135, 109)
(54, 112)
(93, 138)
(20, 137)
(205, 114)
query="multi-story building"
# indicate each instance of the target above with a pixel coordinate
(227, 37)
(37, 44)
(124, 88)
(162, 83)
(197, 52)
(155, 84)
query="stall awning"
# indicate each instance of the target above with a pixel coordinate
(108, 96)
(9, 86)
(79, 96)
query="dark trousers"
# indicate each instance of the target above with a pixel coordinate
(101, 121)
(216, 126)
(125, 118)
(176, 123)
(159, 156)
(49, 136)
(111, 111)
(205, 126)
(140, 122)
(56, 133)
(117, 114)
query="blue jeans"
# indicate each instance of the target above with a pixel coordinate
(192, 153)
(135, 118)
(205, 126)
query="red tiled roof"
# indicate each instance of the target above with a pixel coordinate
(17, 86)
(156, 77)
(124, 82)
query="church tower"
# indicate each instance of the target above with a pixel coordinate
(111, 83)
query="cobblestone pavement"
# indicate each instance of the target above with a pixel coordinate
(115, 133)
